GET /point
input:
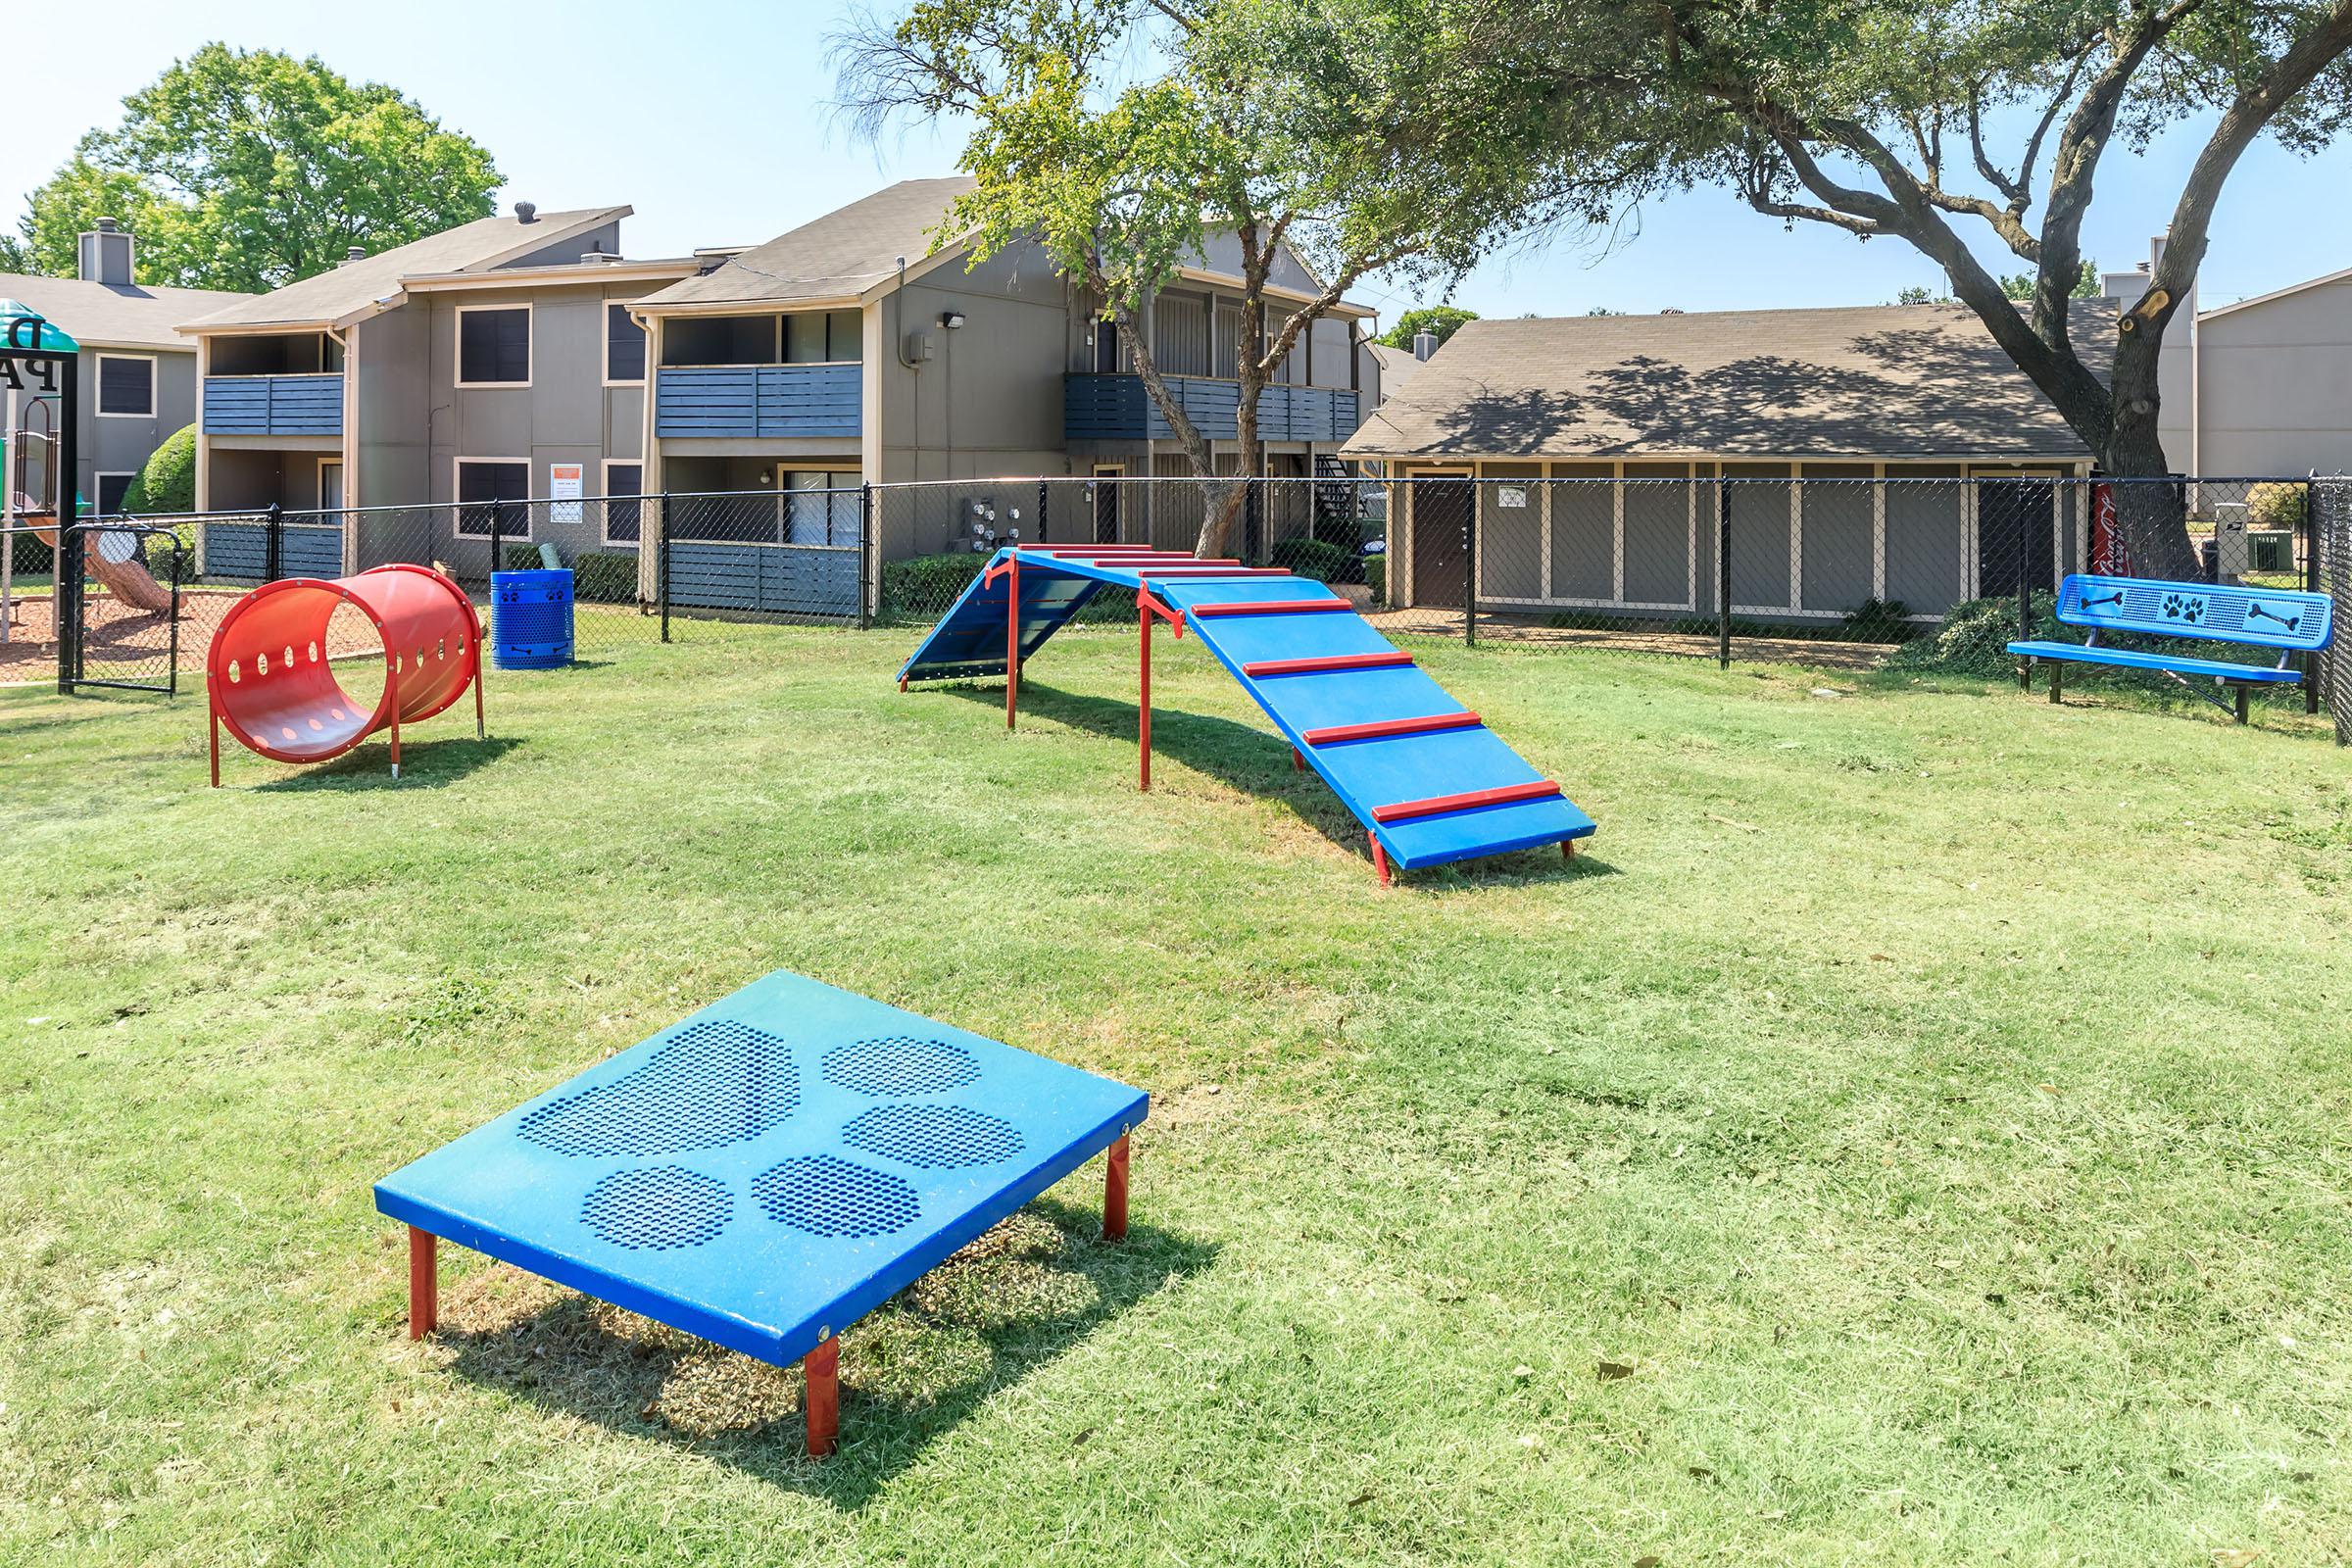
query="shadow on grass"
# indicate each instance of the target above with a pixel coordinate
(1257, 763)
(423, 765)
(1020, 1296)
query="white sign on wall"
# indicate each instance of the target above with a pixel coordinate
(565, 483)
(1511, 495)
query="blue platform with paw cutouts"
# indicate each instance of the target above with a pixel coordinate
(770, 1170)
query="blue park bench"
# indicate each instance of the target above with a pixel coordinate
(765, 1172)
(2260, 618)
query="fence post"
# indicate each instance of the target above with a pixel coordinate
(865, 551)
(66, 591)
(172, 687)
(1723, 572)
(2024, 598)
(1470, 570)
(273, 543)
(498, 543)
(661, 566)
(2311, 584)
(1044, 493)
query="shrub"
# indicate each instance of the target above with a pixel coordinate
(927, 585)
(1875, 620)
(167, 483)
(1974, 637)
(1376, 577)
(519, 558)
(605, 577)
(1318, 559)
(2274, 506)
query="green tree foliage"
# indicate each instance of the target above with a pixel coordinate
(248, 169)
(167, 483)
(1937, 124)
(1130, 139)
(2021, 285)
(1441, 321)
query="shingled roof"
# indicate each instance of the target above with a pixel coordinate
(355, 288)
(117, 316)
(1863, 382)
(842, 254)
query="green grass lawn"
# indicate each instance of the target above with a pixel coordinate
(1915, 1131)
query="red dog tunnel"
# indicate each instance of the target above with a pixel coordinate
(273, 681)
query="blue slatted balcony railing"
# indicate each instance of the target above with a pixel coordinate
(1116, 408)
(760, 402)
(274, 404)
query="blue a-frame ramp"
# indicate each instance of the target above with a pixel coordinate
(1427, 778)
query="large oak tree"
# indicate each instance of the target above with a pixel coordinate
(248, 169)
(1930, 124)
(1129, 137)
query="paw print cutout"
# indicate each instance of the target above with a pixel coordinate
(2184, 606)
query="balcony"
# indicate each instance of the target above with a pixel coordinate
(274, 404)
(1116, 408)
(760, 402)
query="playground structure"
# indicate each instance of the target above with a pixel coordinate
(271, 680)
(40, 453)
(765, 1172)
(1426, 777)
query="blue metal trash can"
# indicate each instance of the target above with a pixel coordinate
(530, 619)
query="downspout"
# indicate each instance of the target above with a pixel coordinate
(898, 335)
(350, 453)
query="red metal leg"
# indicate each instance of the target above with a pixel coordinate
(396, 743)
(481, 728)
(821, 1369)
(1298, 763)
(213, 716)
(424, 1286)
(1380, 860)
(1013, 642)
(901, 683)
(1143, 618)
(1115, 1193)
(1567, 849)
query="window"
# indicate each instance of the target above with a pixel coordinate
(126, 387)
(624, 520)
(820, 508)
(624, 348)
(111, 490)
(494, 346)
(491, 494)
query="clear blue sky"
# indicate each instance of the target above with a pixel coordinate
(709, 118)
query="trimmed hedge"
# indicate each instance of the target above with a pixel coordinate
(927, 585)
(604, 577)
(519, 558)
(1317, 558)
(167, 482)
(1376, 577)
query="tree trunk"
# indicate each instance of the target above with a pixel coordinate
(1221, 537)
(2152, 515)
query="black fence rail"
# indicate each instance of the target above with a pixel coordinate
(1828, 564)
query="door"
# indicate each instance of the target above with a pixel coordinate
(2015, 529)
(1106, 502)
(330, 486)
(1440, 510)
(1106, 347)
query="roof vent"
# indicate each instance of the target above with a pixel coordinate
(1424, 345)
(355, 253)
(526, 212)
(599, 259)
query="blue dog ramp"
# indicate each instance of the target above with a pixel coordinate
(769, 1170)
(1429, 781)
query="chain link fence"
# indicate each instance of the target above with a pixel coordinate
(1836, 567)
(2332, 530)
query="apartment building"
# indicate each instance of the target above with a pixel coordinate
(490, 362)
(137, 374)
